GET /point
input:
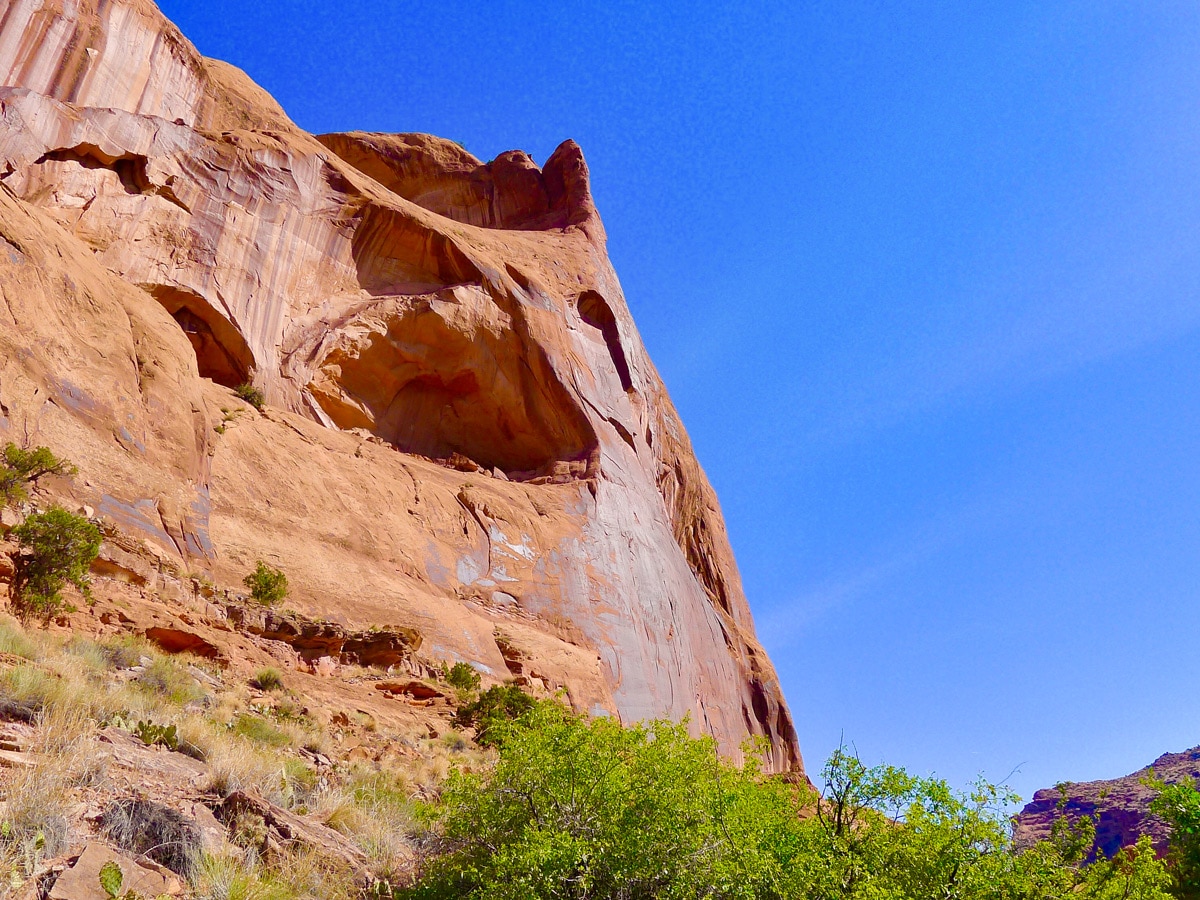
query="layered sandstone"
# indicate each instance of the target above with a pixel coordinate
(464, 434)
(1120, 807)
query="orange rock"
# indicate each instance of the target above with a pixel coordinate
(166, 233)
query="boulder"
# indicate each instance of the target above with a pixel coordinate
(82, 880)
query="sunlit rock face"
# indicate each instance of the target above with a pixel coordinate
(1119, 807)
(465, 435)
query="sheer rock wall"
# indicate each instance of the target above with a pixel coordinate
(464, 435)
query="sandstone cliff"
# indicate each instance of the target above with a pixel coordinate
(1119, 806)
(464, 438)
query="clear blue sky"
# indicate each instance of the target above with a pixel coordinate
(923, 281)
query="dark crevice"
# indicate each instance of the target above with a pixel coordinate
(623, 432)
(222, 354)
(130, 169)
(595, 311)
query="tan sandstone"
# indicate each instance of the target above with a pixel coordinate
(464, 434)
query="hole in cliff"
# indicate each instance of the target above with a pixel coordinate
(222, 354)
(450, 374)
(130, 168)
(595, 311)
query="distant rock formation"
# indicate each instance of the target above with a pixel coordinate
(464, 434)
(1119, 806)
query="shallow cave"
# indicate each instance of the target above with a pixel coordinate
(434, 385)
(222, 354)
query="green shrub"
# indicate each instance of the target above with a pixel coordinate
(497, 706)
(252, 395)
(268, 679)
(1179, 806)
(588, 809)
(260, 731)
(56, 547)
(268, 585)
(20, 468)
(169, 680)
(461, 676)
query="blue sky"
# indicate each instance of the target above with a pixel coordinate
(923, 282)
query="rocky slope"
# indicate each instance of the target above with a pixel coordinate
(463, 434)
(1120, 807)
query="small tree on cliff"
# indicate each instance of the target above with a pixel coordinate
(56, 547)
(20, 468)
(268, 585)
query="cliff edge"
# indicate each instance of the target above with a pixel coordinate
(464, 437)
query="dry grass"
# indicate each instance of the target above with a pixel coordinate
(376, 811)
(298, 874)
(70, 687)
(37, 807)
(148, 829)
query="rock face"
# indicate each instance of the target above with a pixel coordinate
(1119, 806)
(462, 425)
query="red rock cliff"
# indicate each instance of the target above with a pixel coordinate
(464, 434)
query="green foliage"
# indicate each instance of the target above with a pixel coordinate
(19, 468)
(269, 679)
(260, 731)
(152, 733)
(111, 879)
(268, 585)
(492, 711)
(588, 809)
(167, 679)
(56, 547)
(251, 395)
(1179, 806)
(461, 676)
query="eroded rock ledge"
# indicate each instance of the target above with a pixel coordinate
(168, 233)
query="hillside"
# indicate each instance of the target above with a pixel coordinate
(463, 439)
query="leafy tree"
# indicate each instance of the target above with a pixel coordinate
(268, 585)
(488, 715)
(19, 468)
(462, 676)
(578, 809)
(1179, 806)
(55, 547)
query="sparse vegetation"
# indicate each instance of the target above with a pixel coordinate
(252, 395)
(461, 676)
(21, 468)
(55, 548)
(268, 679)
(492, 711)
(562, 807)
(268, 585)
